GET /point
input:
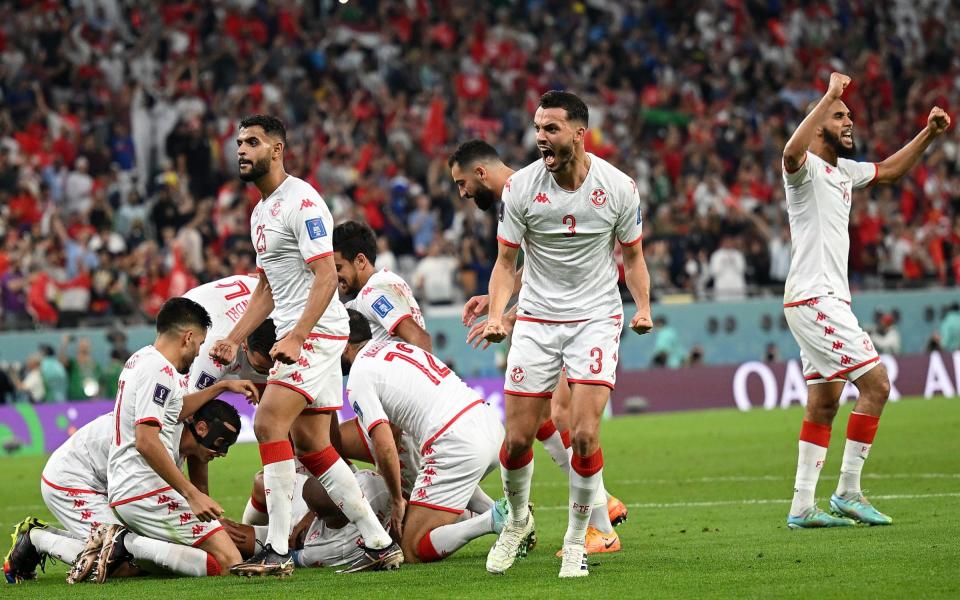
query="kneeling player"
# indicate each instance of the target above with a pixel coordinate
(458, 436)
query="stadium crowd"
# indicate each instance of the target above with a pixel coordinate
(118, 184)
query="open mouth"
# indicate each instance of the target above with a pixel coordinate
(847, 136)
(243, 163)
(549, 156)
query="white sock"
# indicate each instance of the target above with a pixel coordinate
(555, 448)
(854, 455)
(343, 489)
(479, 502)
(583, 491)
(261, 531)
(449, 538)
(253, 516)
(809, 464)
(279, 480)
(177, 558)
(64, 548)
(599, 516)
(516, 487)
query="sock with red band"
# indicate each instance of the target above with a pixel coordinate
(254, 513)
(176, 558)
(552, 442)
(444, 541)
(585, 475)
(814, 440)
(516, 475)
(279, 480)
(861, 429)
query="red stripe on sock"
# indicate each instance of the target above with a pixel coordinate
(862, 428)
(318, 462)
(565, 436)
(213, 567)
(815, 433)
(256, 504)
(272, 452)
(425, 550)
(587, 466)
(546, 430)
(515, 463)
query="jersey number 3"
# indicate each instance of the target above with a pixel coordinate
(571, 222)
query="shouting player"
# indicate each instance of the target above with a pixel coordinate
(568, 209)
(291, 229)
(820, 177)
(480, 174)
(383, 297)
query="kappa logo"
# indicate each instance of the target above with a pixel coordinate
(421, 494)
(86, 515)
(185, 517)
(296, 377)
(167, 371)
(163, 499)
(205, 380)
(275, 209)
(846, 360)
(316, 228)
(837, 345)
(828, 169)
(172, 506)
(79, 503)
(160, 394)
(366, 291)
(196, 530)
(829, 330)
(303, 362)
(598, 198)
(382, 306)
(541, 198)
(306, 203)
(517, 375)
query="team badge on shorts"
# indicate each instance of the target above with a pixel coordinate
(382, 306)
(598, 197)
(517, 375)
(160, 394)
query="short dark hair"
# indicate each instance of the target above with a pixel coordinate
(352, 238)
(177, 313)
(263, 338)
(359, 327)
(472, 151)
(270, 125)
(575, 107)
(218, 409)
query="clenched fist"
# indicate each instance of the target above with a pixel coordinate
(838, 83)
(938, 121)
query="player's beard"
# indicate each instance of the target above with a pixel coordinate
(838, 147)
(484, 198)
(563, 157)
(258, 169)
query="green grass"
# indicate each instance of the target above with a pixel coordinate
(708, 494)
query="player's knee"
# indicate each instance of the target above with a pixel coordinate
(516, 444)
(584, 441)
(220, 560)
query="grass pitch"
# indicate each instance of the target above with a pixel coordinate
(708, 494)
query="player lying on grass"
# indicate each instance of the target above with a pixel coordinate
(456, 433)
(74, 489)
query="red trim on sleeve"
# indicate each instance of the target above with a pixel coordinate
(507, 243)
(876, 174)
(149, 420)
(317, 257)
(70, 490)
(291, 387)
(363, 439)
(591, 382)
(140, 497)
(398, 321)
(423, 449)
(802, 162)
(633, 243)
(455, 511)
(374, 424)
(528, 394)
(209, 533)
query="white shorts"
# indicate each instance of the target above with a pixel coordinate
(165, 515)
(78, 509)
(456, 461)
(317, 375)
(832, 344)
(539, 349)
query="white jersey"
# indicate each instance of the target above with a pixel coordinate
(81, 462)
(385, 301)
(568, 237)
(290, 229)
(394, 382)
(150, 391)
(818, 203)
(226, 300)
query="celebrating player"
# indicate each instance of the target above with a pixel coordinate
(383, 297)
(458, 436)
(569, 209)
(74, 489)
(291, 228)
(820, 177)
(479, 173)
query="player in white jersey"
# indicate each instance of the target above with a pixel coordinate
(480, 174)
(383, 297)
(226, 300)
(568, 210)
(291, 229)
(819, 178)
(74, 489)
(457, 434)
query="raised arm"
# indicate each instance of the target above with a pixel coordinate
(794, 153)
(904, 159)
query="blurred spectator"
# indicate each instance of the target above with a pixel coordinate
(950, 329)
(83, 372)
(110, 374)
(771, 354)
(779, 249)
(8, 389)
(885, 335)
(728, 268)
(667, 350)
(54, 376)
(433, 277)
(32, 382)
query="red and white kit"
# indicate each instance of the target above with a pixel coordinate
(458, 435)
(226, 300)
(150, 391)
(290, 229)
(817, 295)
(74, 480)
(570, 313)
(386, 301)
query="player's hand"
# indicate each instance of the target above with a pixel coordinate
(243, 386)
(287, 350)
(938, 121)
(237, 534)
(299, 531)
(476, 306)
(641, 323)
(494, 331)
(838, 83)
(204, 507)
(225, 351)
(397, 514)
(475, 336)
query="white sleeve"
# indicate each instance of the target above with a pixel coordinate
(311, 223)
(862, 174)
(386, 306)
(363, 398)
(206, 371)
(149, 400)
(629, 220)
(513, 224)
(801, 174)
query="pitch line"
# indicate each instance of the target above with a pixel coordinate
(749, 478)
(755, 501)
